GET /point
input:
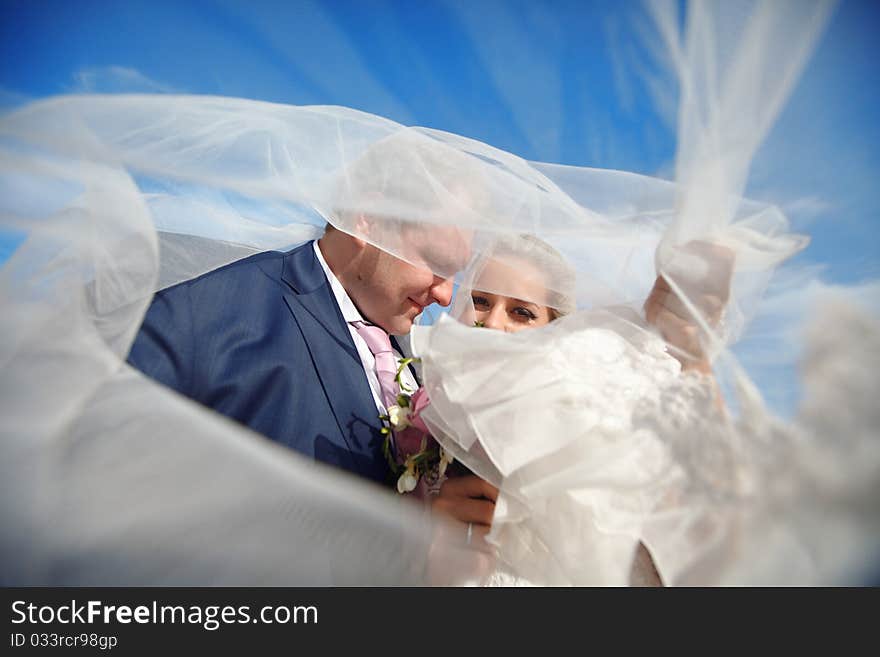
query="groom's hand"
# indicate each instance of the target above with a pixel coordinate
(468, 499)
(463, 502)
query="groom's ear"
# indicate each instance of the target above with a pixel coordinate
(361, 228)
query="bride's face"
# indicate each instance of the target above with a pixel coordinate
(518, 308)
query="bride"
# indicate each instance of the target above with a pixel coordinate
(527, 270)
(595, 440)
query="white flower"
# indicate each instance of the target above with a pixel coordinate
(407, 481)
(398, 416)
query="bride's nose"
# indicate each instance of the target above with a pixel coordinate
(495, 318)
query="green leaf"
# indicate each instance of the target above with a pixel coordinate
(404, 363)
(386, 448)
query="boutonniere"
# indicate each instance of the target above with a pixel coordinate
(418, 456)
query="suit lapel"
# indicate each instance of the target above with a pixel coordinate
(333, 353)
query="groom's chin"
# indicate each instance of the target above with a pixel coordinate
(400, 325)
(403, 327)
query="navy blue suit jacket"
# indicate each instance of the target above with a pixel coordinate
(263, 342)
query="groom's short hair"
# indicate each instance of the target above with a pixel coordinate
(408, 181)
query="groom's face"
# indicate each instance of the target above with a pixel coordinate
(391, 292)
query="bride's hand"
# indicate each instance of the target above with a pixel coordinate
(703, 274)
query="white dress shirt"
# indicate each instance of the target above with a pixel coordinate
(351, 314)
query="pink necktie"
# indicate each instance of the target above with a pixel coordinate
(409, 440)
(386, 362)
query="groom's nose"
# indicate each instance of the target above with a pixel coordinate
(441, 290)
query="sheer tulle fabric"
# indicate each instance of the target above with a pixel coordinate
(596, 439)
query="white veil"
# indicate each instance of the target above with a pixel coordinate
(109, 478)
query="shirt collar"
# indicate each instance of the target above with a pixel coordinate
(350, 313)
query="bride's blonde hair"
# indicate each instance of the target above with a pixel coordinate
(560, 278)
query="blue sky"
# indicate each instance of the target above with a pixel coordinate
(556, 81)
(552, 81)
(533, 78)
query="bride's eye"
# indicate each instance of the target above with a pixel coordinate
(480, 302)
(524, 314)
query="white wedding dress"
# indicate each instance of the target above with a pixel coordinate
(562, 419)
(599, 444)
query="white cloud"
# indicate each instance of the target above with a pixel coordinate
(309, 40)
(803, 211)
(117, 79)
(522, 53)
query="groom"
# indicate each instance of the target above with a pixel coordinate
(274, 342)
(270, 342)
